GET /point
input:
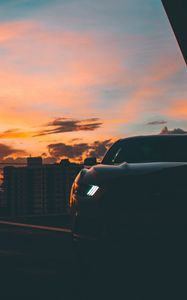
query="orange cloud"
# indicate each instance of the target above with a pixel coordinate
(148, 95)
(140, 102)
(13, 30)
(46, 74)
(15, 134)
(164, 67)
(178, 110)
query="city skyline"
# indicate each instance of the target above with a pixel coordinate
(77, 75)
(37, 188)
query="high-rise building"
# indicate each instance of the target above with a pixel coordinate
(16, 190)
(3, 207)
(37, 188)
(34, 161)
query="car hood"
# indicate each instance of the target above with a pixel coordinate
(101, 173)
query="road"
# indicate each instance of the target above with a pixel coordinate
(39, 263)
(35, 264)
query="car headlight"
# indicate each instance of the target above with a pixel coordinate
(84, 190)
(92, 190)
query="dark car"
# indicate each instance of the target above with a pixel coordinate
(139, 189)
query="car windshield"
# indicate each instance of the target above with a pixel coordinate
(144, 150)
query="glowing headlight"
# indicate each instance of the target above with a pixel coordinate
(93, 189)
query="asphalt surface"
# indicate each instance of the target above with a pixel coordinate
(37, 263)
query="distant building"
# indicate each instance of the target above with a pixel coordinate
(38, 188)
(34, 161)
(16, 190)
(3, 206)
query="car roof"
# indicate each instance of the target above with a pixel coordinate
(156, 136)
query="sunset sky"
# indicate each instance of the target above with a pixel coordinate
(78, 74)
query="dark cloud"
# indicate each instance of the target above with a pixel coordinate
(70, 151)
(6, 150)
(157, 122)
(11, 130)
(98, 148)
(165, 130)
(77, 151)
(75, 140)
(44, 154)
(65, 125)
(49, 160)
(17, 160)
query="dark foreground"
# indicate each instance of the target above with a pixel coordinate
(40, 264)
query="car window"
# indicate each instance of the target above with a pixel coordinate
(147, 150)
